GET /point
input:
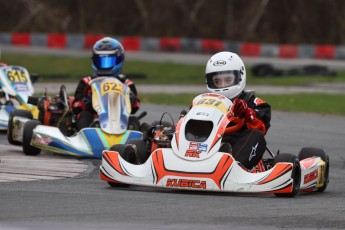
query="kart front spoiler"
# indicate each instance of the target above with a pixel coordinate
(217, 173)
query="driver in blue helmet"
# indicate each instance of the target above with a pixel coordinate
(108, 57)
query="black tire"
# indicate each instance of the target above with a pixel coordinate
(28, 149)
(296, 172)
(316, 152)
(141, 150)
(16, 113)
(122, 149)
(85, 120)
(125, 151)
(133, 123)
(118, 185)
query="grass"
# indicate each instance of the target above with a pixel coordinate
(313, 103)
(62, 69)
(54, 68)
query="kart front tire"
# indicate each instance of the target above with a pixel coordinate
(316, 152)
(28, 149)
(125, 152)
(296, 172)
(16, 113)
(141, 147)
(117, 185)
(122, 149)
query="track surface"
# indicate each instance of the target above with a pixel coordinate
(86, 202)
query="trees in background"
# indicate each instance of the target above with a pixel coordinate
(271, 21)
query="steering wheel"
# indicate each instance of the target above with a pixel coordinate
(64, 98)
(238, 124)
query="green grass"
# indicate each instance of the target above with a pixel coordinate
(313, 103)
(73, 68)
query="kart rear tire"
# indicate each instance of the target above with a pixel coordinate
(316, 152)
(133, 123)
(141, 146)
(296, 172)
(28, 149)
(16, 113)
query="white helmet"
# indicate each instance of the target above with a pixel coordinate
(225, 74)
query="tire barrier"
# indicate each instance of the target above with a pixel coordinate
(171, 44)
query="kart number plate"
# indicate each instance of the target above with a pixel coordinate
(111, 87)
(15, 75)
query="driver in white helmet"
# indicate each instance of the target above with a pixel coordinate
(226, 75)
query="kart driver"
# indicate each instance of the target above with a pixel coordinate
(226, 75)
(107, 60)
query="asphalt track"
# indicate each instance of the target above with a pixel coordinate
(86, 202)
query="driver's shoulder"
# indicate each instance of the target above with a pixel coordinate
(247, 95)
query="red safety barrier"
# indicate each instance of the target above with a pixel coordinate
(211, 46)
(170, 44)
(288, 51)
(57, 40)
(325, 51)
(21, 39)
(250, 49)
(131, 43)
(91, 39)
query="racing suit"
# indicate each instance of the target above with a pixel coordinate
(83, 99)
(249, 144)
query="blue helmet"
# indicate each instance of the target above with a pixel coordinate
(108, 56)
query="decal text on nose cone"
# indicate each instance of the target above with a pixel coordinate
(185, 183)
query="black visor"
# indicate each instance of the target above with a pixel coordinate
(224, 79)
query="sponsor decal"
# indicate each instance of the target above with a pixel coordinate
(202, 114)
(202, 147)
(219, 63)
(213, 95)
(192, 153)
(186, 183)
(20, 87)
(198, 146)
(308, 162)
(193, 145)
(253, 153)
(311, 176)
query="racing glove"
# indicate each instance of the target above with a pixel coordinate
(240, 108)
(250, 115)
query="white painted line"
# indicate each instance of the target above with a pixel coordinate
(15, 166)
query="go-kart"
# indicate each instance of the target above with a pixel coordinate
(53, 111)
(15, 88)
(192, 156)
(111, 101)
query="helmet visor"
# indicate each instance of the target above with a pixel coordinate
(104, 62)
(225, 79)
